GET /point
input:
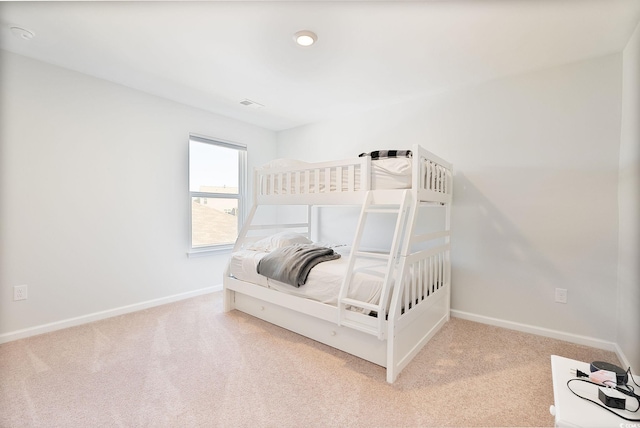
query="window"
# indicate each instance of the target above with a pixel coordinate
(217, 188)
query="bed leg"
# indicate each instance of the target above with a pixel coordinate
(391, 374)
(392, 370)
(229, 299)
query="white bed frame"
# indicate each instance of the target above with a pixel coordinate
(411, 311)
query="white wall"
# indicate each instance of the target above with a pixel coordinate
(629, 203)
(94, 196)
(93, 202)
(535, 193)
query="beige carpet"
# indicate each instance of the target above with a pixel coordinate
(188, 364)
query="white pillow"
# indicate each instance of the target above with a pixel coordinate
(395, 166)
(279, 240)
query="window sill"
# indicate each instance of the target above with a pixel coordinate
(203, 252)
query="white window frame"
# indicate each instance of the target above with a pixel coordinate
(241, 196)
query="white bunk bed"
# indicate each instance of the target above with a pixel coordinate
(411, 299)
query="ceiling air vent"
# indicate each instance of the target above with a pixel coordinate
(251, 104)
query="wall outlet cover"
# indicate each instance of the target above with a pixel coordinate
(19, 292)
(561, 295)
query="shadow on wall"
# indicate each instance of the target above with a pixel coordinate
(497, 269)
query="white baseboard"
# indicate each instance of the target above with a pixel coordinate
(624, 360)
(541, 331)
(96, 316)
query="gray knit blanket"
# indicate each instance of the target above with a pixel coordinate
(292, 264)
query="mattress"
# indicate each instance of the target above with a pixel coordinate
(324, 281)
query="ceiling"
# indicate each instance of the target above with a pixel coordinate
(212, 55)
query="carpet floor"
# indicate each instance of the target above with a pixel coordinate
(189, 364)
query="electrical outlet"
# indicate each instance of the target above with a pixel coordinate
(20, 292)
(561, 295)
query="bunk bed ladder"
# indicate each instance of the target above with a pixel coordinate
(402, 210)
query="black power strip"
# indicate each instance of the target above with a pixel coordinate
(612, 398)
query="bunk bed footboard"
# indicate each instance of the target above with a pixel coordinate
(420, 305)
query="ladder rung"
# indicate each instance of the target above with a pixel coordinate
(382, 256)
(360, 304)
(383, 210)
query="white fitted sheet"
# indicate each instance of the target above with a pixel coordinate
(324, 281)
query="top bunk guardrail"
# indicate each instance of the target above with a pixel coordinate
(347, 181)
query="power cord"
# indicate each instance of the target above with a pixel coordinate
(629, 391)
(603, 377)
(630, 376)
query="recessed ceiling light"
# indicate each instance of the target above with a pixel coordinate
(305, 38)
(22, 33)
(252, 104)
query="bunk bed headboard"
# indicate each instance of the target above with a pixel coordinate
(432, 176)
